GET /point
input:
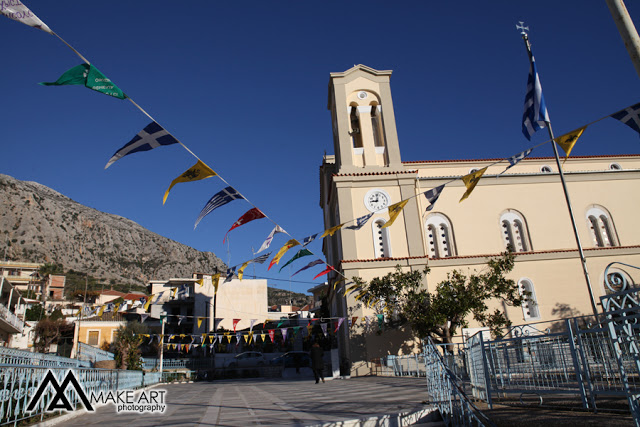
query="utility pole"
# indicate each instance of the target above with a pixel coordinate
(162, 319)
(627, 30)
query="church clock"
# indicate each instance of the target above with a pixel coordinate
(377, 200)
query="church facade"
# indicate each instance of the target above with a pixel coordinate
(524, 208)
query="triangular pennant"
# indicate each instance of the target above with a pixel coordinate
(250, 215)
(200, 319)
(394, 211)
(331, 231)
(432, 196)
(194, 173)
(235, 323)
(276, 259)
(471, 180)
(568, 140)
(340, 320)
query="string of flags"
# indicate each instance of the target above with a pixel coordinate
(154, 135)
(273, 334)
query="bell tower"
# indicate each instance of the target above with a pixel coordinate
(364, 124)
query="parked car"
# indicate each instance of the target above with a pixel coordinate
(246, 359)
(288, 360)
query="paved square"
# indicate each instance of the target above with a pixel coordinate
(272, 402)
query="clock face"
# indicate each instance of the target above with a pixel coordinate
(376, 200)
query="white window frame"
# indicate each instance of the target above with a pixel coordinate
(514, 231)
(601, 227)
(529, 311)
(440, 246)
(384, 250)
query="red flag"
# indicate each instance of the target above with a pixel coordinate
(272, 334)
(249, 216)
(235, 323)
(329, 268)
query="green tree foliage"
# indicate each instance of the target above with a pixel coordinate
(35, 313)
(442, 313)
(126, 345)
(50, 268)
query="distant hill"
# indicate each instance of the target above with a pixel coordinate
(39, 224)
(279, 297)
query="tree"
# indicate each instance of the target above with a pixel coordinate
(125, 345)
(35, 313)
(440, 314)
(49, 331)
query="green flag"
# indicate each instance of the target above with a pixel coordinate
(300, 254)
(90, 77)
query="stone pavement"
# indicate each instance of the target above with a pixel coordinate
(280, 402)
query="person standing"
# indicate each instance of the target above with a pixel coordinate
(317, 362)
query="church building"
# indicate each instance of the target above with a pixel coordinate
(524, 208)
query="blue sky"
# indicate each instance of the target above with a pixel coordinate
(244, 85)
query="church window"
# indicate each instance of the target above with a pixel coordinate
(530, 308)
(439, 236)
(546, 169)
(356, 135)
(601, 227)
(514, 231)
(381, 244)
(376, 124)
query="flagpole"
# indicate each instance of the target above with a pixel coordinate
(583, 260)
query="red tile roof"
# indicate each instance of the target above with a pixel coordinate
(606, 156)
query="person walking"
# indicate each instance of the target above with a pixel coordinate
(317, 362)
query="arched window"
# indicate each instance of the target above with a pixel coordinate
(439, 236)
(356, 135)
(514, 231)
(530, 308)
(376, 124)
(601, 226)
(381, 244)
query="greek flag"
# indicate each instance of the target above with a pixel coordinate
(230, 272)
(515, 159)
(535, 111)
(262, 258)
(432, 196)
(149, 138)
(629, 116)
(220, 199)
(360, 222)
(309, 239)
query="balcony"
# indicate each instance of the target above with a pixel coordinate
(9, 322)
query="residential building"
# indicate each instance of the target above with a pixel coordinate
(523, 208)
(12, 306)
(184, 301)
(23, 275)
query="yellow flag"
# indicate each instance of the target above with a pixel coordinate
(116, 308)
(215, 279)
(471, 180)
(200, 319)
(276, 259)
(262, 337)
(200, 282)
(337, 282)
(331, 231)
(394, 211)
(79, 311)
(194, 173)
(173, 292)
(101, 312)
(241, 269)
(568, 140)
(148, 303)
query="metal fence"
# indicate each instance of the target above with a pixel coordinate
(93, 354)
(12, 356)
(189, 364)
(400, 366)
(445, 392)
(581, 360)
(18, 384)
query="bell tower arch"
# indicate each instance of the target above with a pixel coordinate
(364, 125)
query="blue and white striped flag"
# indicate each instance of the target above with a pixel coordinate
(230, 272)
(360, 222)
(535, 111)
(515, 159)
(432, 196)
(262, 258)
(630, 117)
(308, 240)
(220, 199)
(149, 138)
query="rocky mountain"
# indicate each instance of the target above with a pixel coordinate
(39, 224)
